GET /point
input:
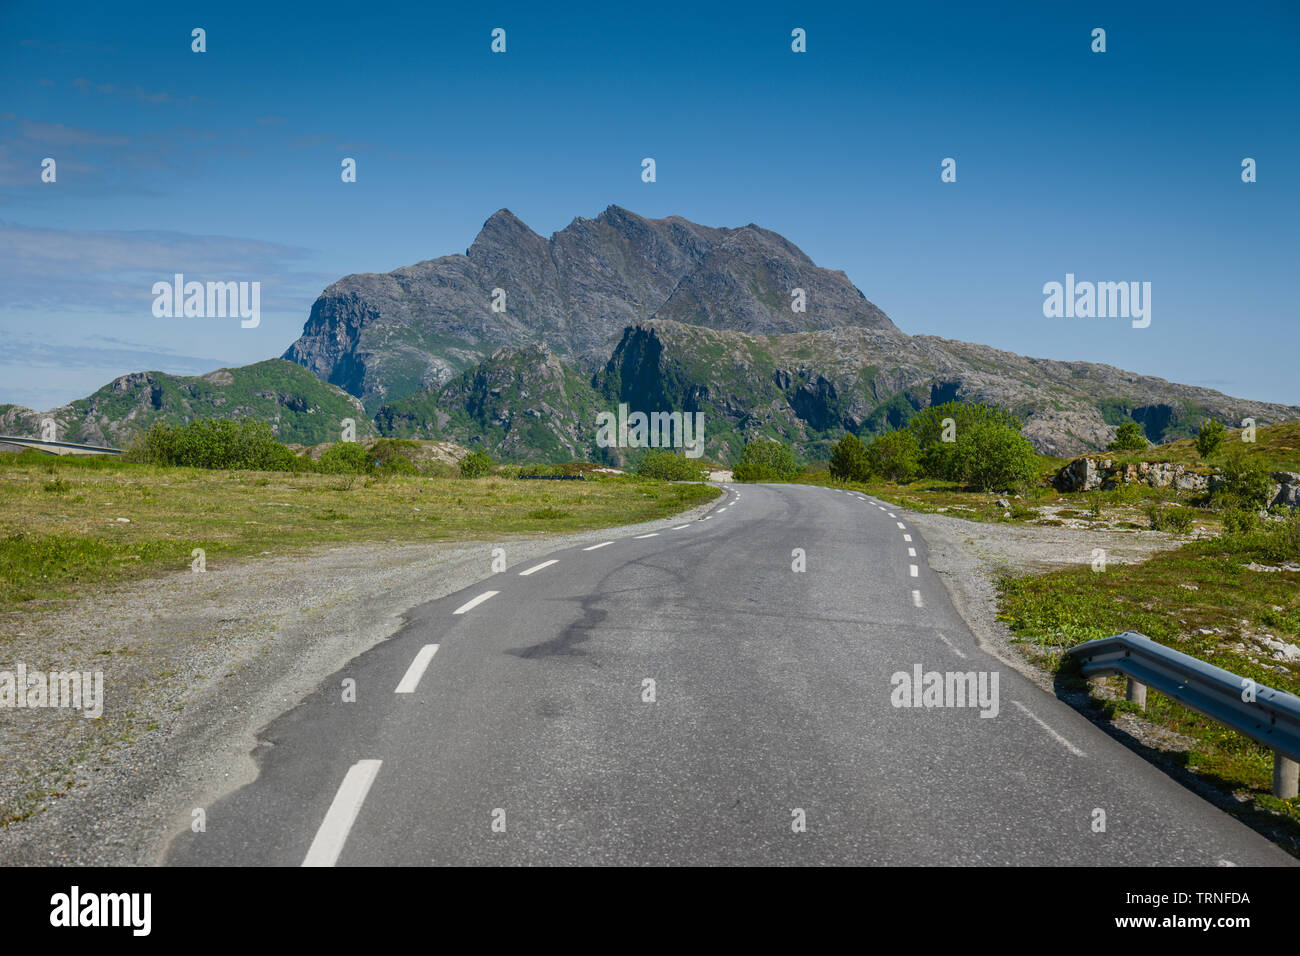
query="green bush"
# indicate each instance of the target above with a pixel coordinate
(1130, 437)
(937, 456)
(476, 464)
(347, 458)
(396, 456)
(1283, 541)
(849, 460)
(895, 455)
(1209, 438)
(993, 457)
(1240, 521)
(213, 443)
(765, 460)
(669, 467)
(1246, 483)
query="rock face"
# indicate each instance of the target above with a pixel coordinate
(382, 337)
(669, 310)
(804, 388)
(1087, 474)
(1286, 491)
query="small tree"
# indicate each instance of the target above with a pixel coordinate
(476, 464)
(765, 460)
(1209, 438)
(895, 455)
(1246, 483)
(993, 457)
(849, 460)
(928, 425)
(1130, 437)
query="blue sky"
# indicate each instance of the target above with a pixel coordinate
(1122, 166)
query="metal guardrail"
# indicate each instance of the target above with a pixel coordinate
(1264, 714)
(40, 444)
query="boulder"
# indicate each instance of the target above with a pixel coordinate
(1079, 475)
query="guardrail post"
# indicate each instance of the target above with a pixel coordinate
(1284, 777)
(1137, 693)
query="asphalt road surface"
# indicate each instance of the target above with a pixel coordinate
(770, 733)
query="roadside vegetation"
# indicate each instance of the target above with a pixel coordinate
(68, 522)
(1232, 600)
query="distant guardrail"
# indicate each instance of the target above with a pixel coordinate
(1264, 714)
(54, 447)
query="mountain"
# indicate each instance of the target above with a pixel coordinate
(667, 314)
(805, 388)
(660, 314)
(299, 407)
(383, 337)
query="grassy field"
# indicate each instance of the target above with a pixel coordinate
(1204, 599)
(69, 522)
(1278, 446)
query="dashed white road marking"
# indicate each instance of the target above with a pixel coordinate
(681, 527)
(891, 514)
(603, 544)
(652, 534)
(907, 537)
(913, 570)
(953, 647)
(722, 509)
(901, 526)
(537, 567)
(470, 605)
(1055, 736)
(911, 552)
(411, 680)
(333, 832)
(916, 599)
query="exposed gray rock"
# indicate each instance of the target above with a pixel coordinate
(1085, 474)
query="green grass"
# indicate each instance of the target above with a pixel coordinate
(1278, 446)
(1198, 599)
(59, 533)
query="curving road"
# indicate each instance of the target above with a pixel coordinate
(527, 737)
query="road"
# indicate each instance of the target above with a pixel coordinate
(529, 735)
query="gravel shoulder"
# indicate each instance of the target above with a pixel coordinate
(194, 666)
(970, 557)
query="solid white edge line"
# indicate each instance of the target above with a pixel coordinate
(470, 605)
(538, 567)
(411, 679)
(595, 546)
(333, 832)
(1055, 736)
